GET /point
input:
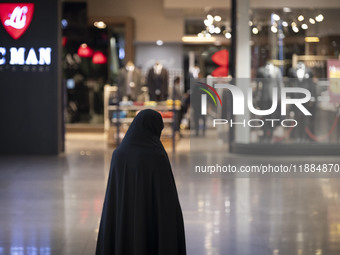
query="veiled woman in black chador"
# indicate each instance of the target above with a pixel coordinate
(141, 213)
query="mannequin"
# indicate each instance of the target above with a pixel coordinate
(195, 72)
(129, 81)
(302, 77)
(270, 77)
(158, 82)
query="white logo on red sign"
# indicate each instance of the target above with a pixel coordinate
(16, 17)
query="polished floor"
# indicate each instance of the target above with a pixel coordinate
(52, 205)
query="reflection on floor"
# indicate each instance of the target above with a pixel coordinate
(52, 205)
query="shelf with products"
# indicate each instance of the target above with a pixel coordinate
(118, 115)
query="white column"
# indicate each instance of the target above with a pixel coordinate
(243, 66)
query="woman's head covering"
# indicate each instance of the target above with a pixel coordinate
(147, 125)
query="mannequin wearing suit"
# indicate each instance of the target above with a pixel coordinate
(158, 82)
(129, 81)
(270, 76)
(302, 77)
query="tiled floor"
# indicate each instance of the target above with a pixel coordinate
(52, 205)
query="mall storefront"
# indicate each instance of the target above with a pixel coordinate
(117, 60)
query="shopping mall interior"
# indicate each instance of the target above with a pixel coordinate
(76, 73)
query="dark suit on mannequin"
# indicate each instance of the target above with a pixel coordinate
(270, 77)
(302, 77)
(158, 83)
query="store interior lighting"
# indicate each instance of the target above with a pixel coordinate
(276, 17)
(319, 18)
(159, 42)
(301, 18)
(99, 24)
(198, 39)
(228, 35)
(217, 18)
(85, 51)
(255, 30)
(287, 9)
(208, 22)
(213, 25)
(99, 58)
(217, 30)
(295, 29)
(278, 23)
(312, 39)
(312, 21)
(273, 29)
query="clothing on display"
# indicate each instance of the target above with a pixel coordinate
(129, 81)
(270, 77)
(158, 82)
(302, 77)
(141, 212)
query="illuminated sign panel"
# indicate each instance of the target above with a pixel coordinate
(17, 56)
(30, 71)
(16, 18)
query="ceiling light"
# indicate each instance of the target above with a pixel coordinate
(285, 23)
(312, 21)
(319, 18)
(301, 18)
(85, 51)
(99, 24)
(295, 29)
(217, 18)
(304, 26)
(255, 30)
(200, 35)
(211, 29)
(250, 23)
(287, 9)
(208, 22)
(209, 17)
(228, 35)
(293, 24)
(159, 42)
(273, 29)
(99, 58)
(217, 30)
(276, 17)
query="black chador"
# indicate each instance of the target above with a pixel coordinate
(141, 213)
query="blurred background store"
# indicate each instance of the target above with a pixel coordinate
(75, 77)
(101, 40)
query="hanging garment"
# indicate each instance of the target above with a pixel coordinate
(158, 84)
